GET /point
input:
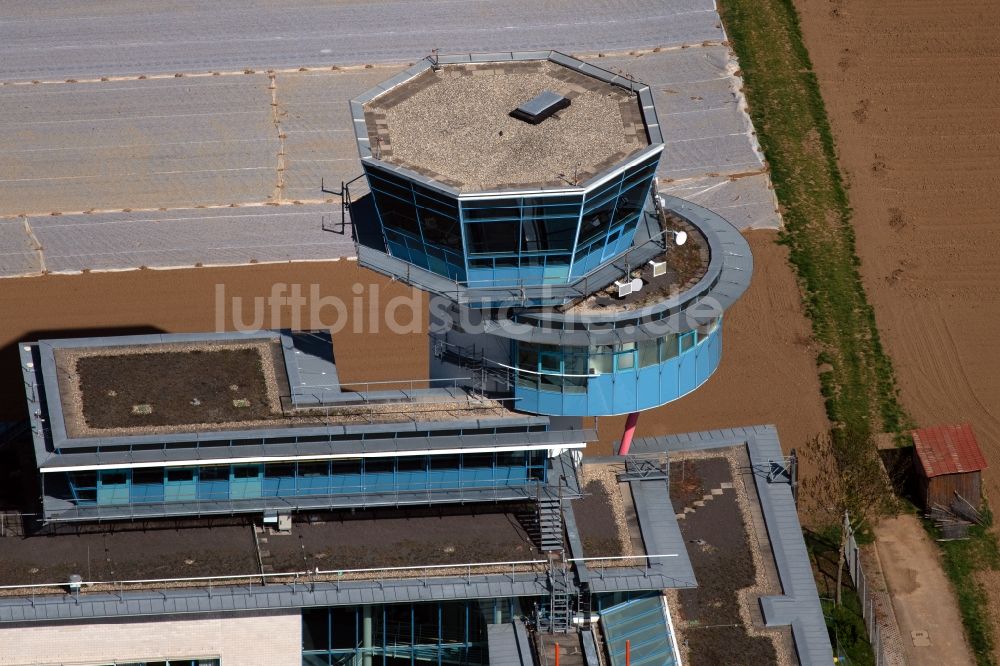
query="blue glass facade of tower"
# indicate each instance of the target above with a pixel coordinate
(615, 379)
(497, 240)
(524, 253)
(421, 226)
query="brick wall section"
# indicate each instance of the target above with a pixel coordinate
(239, 639)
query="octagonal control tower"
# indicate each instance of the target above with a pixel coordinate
(516, 189)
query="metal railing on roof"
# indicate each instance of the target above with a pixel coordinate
(411, 384)
(517, 292)
(521, 291)
(422, 573)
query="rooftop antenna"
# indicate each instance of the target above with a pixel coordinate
(377, 148)
(658, 201)
(433, 57)
(575, 181)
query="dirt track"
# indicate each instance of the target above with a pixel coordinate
(913, 95)
(920, 593)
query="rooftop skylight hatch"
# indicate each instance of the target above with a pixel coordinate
(540, 107)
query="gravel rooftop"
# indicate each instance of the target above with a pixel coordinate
(206, 386)
(453, 125)
(331, 541)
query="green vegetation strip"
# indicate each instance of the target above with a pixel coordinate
(856, 375)
(962, 559)
(792, 127)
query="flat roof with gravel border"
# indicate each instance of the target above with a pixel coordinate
(57, 397)
(448, 122)
(343, 541)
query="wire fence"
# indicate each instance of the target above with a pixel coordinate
(876, 607)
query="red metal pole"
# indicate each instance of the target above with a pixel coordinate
(556, 648)
(628, 653)
(630, 423)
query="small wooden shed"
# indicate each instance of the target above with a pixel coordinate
(949, 461)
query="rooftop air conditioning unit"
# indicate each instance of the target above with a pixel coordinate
(659, 268)
(624, 288)
(284, 522)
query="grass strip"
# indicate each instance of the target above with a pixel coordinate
(788, 113)
(962, 559)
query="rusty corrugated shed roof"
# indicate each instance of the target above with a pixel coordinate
(950, 449)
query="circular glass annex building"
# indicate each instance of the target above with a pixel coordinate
(516, 188)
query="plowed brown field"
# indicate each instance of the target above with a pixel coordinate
(912, 88)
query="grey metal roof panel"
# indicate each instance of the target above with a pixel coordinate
(506, 56)
(634, 580)
(573, 542)
(660, 531)
(562, 467)
(563, 59)
(646, 97)
(508, 644)
(403, 76)
(590, 650)
(326, 448)
(655, 133)
(531, 55)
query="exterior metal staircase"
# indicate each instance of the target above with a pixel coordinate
(475, 361)
(550, 522)
(557, 616)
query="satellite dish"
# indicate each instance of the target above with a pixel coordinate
(681, 237)
(636, 284)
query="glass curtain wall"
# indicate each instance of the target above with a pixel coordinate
(566, 369)
(421, 226)
(538, 240)
(610, 216)
(501, 241)
(452, 632)
(304, 478)
(527, 239)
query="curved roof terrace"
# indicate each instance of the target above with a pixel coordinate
(722, 281)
